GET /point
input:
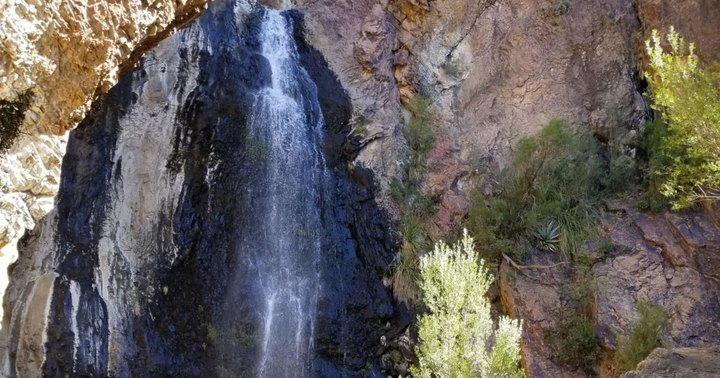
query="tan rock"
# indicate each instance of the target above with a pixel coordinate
(69, 52)
(679, 362)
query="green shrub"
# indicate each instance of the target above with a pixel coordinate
(452, 68)
(457, 338)
(623, 173)
(555, 177)
(419, 135)
(577, 343)
(686, 165)
(573, 336)
(644, 337)
(415, 206)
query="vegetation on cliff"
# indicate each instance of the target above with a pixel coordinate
(415, 206)
(685, 147)
(457, 338)
(645, 336)
(548, 196)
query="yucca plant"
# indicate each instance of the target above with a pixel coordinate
(547, 237)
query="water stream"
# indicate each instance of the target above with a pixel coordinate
(286, 126)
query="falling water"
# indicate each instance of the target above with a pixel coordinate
(285, 135)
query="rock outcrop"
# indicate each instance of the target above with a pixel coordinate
(61, 55)
(67, 53)
(668, 259)
(143, 268)
(679, 362)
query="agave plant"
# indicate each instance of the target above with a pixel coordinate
(547, 237)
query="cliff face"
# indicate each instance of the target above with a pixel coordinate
(56, 57)
(493, 71)
(148, 265)
(68, 52)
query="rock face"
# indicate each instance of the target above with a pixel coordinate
(536, 296)
(667, 259)
(494, 72)
(68, 52)
(697, 20)
(61, 55)
(679, 362)
(140, 237)
(140, 271)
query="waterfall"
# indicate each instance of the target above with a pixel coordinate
(286, 126)
(207, 223)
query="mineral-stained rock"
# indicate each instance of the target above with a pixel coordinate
(63, 54)
(679, 362)
(143, 268)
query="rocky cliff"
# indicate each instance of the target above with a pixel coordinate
(493, 71)
(56, 57)
(146, 266)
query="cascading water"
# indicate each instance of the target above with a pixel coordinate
(286, 125)
(207, 222)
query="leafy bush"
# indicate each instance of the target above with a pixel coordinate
(686, 165)
(623, 173)
(457, 332)
(644, 337)
(557, 177)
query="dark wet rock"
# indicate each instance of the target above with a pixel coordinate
(137, 272)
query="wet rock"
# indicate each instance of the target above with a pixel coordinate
(139, 270)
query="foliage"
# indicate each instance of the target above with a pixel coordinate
(548, 236)
(687, 165)
(452, 67)
(576, 341)
(420, 136)
(573, 336)
(644, 337)
(623, 173)
(415, 206)
(456, 335)
(554, 177)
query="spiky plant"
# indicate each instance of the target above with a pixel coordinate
(547, 237)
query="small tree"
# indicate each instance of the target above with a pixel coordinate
(685, 165)
(456, 336)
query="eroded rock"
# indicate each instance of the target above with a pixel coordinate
(679, 362)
